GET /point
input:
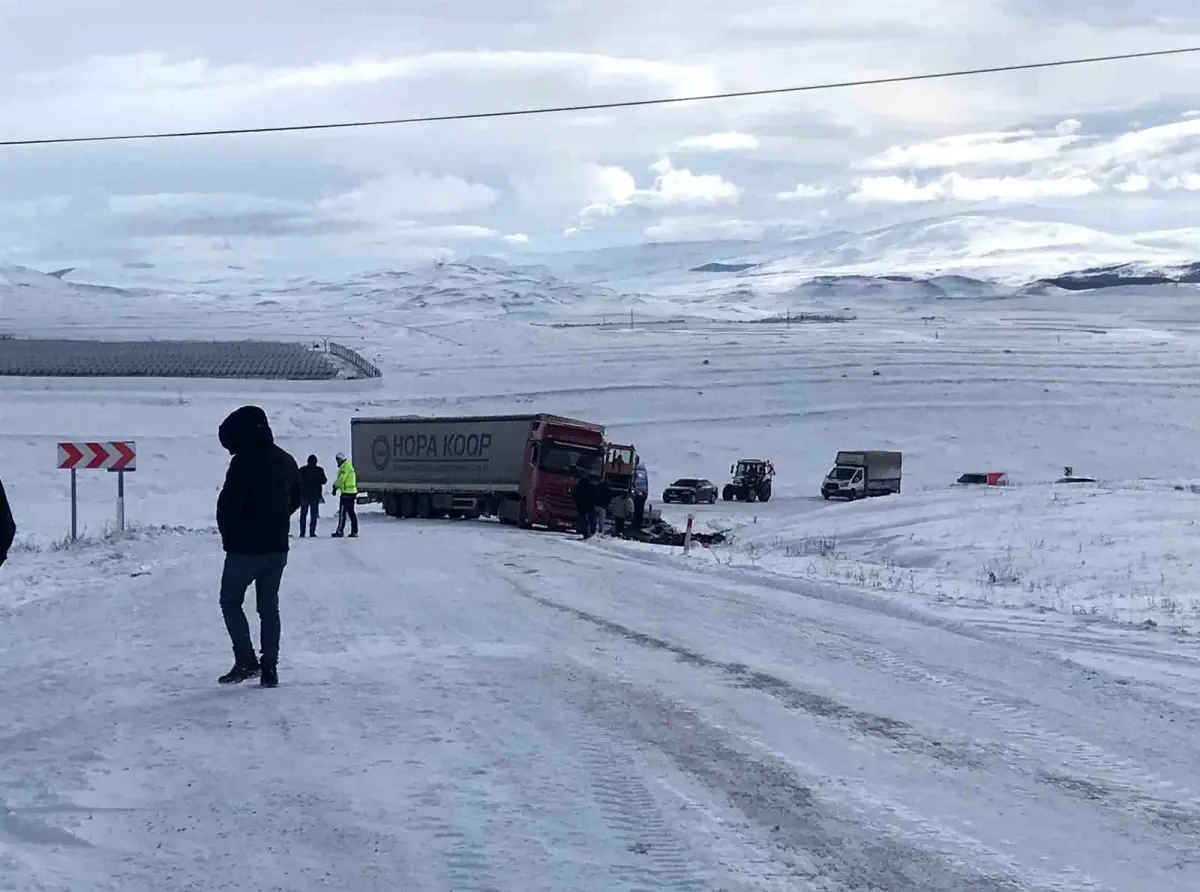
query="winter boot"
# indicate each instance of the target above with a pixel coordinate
(338, 535)
(240, 672)
(269, 677)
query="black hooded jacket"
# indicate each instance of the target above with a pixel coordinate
(312, 481)
(8, 527)
(262, 486)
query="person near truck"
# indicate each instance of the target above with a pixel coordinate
(622, 512)
(602, 497)
(641, 493)
(312, 494)
(254, 517)
(583, 493)
(8, 526)
(345, 487)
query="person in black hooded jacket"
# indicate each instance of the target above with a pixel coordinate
(254, 510)
(8, 526)
(312, 494)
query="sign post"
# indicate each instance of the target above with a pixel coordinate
(687, 536)
(119, 456)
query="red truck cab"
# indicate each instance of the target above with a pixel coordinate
(559, 452)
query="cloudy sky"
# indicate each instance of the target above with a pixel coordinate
(1115, 146)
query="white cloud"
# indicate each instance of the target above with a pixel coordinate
(896, 189)
(729, 141)
(615, 188)
(1010, 148)
(1135, 182)
(956, 187)
(405, 194)
(1188, 181)
(517, 238)
(802, 192)
(702, 228)
(199, 203)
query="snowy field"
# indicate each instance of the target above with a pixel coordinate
(949, 689)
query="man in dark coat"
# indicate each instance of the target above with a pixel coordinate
(312, 494)
(254, 510)
(8, 526)
(584, 495)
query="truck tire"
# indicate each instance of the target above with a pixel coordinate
(523, 517)
(727, 493)
(424, 506)
(408, 506)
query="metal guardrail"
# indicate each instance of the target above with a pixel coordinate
(65, 358)
(364, 366)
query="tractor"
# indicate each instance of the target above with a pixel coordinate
(751, 481)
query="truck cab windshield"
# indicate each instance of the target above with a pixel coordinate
(842, 473)
(562, 458)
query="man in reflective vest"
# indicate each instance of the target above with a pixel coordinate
(346, 487)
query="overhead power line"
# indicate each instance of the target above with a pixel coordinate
(601, 106)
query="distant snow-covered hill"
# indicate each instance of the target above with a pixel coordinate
(963, 257)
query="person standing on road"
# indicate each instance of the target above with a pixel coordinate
(312, 494)
(582, 493)
(346, 488)
(254, 511)
(623, 513)
(601, 503)
(641, 493)
(8, 526)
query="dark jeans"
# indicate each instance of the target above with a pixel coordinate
(309, 512)
(346, 510)
(266, 572)
(587, 522)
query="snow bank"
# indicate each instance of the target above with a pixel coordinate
(1121, 554)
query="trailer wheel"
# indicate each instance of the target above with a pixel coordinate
(424, 506)
(408, 506)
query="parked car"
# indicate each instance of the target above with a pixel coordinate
(690, 490)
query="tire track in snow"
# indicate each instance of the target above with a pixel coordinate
(891, 731)
(633, 812)
(767, 791)
(1088, 771)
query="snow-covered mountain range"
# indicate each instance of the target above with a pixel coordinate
(935, 259)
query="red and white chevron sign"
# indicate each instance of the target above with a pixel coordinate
(118, 456)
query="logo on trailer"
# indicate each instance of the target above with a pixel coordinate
(381, 451)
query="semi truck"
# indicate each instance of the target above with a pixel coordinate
(517, 468)
(857, 475)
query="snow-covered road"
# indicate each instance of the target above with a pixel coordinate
(472, 707)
